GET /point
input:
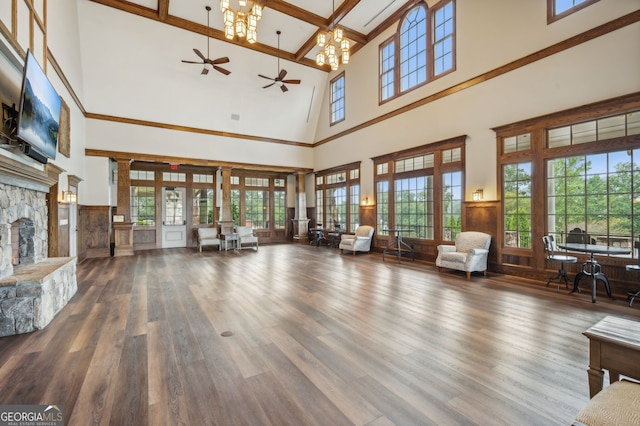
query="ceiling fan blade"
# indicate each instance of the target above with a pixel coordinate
(191, 62)
(268, 85)
(283, 72)
(291, 81)
(264, 76)
(200, 55)
(205, 71)
(283, 88)
(223, 60)
(220, 69)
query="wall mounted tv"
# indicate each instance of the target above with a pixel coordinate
(39, 114)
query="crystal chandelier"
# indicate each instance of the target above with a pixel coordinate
(333, 46)
(239, 22)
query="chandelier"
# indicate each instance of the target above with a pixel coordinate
(333, 46)
(239, 22)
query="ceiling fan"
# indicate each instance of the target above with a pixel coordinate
(205, 60)
(281, 74)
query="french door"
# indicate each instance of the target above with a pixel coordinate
(174, 221)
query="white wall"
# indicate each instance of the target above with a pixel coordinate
(490, 34)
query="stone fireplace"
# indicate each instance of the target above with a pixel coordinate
(33, 287)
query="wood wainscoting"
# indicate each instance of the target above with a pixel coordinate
(94, 231)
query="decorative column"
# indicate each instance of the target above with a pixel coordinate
(300, 221)
(225, 223)
(123, 231)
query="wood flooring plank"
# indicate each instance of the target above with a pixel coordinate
(132, 401)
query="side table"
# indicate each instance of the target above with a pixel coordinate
(229, 240)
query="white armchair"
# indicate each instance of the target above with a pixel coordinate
(208, 237)
(469, 254)
(246, 236)
(361, 241)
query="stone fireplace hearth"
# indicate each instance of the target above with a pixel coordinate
(33, 287)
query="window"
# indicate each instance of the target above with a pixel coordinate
(141, 175)
(451, 205)
(409, 183)
(516, 179)
(256, 208)
(422, 49)
(202, 206)
(143, 210)
(578, 168)
(413, 49)
(414, 206)
(557, 9)
(258, 201)
(337, 99)
(279, 209)
(337, 198)
(596, 193)
(443, 39)
(387, 70)
(174, 177)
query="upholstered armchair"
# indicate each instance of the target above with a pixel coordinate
(208, 237)
(246, 236)
(361, 241)
(469, 254)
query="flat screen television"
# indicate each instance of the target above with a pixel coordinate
(39, 114)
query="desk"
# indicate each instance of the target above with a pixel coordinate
(398, 247)
(595, 271)
(614, 345)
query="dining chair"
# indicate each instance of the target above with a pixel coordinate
(549, 247)
(631, 296)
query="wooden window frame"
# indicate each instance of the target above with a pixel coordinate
(348, 183)
(551, 10)
(438, 169)
(336, 101)
(395, 39)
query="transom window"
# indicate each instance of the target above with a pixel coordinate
(337, 99)
(174, 177)
(422, 49)
(141, 175)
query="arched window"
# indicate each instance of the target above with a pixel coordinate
(413, 48)
(421, 50)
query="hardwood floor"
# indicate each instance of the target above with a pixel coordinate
(318, 338)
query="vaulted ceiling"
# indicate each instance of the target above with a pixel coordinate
(133, 48)
(300, 21)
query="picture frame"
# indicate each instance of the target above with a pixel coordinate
(64, 136)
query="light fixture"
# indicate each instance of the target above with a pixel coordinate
(241, 22)
(477, 195)
(330, 43)
(69, 197)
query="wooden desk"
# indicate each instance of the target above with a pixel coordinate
(614, 345)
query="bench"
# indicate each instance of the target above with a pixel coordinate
(208, 237)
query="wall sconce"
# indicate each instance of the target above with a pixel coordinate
(477, 195)
(69, 197)
(365, 202)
